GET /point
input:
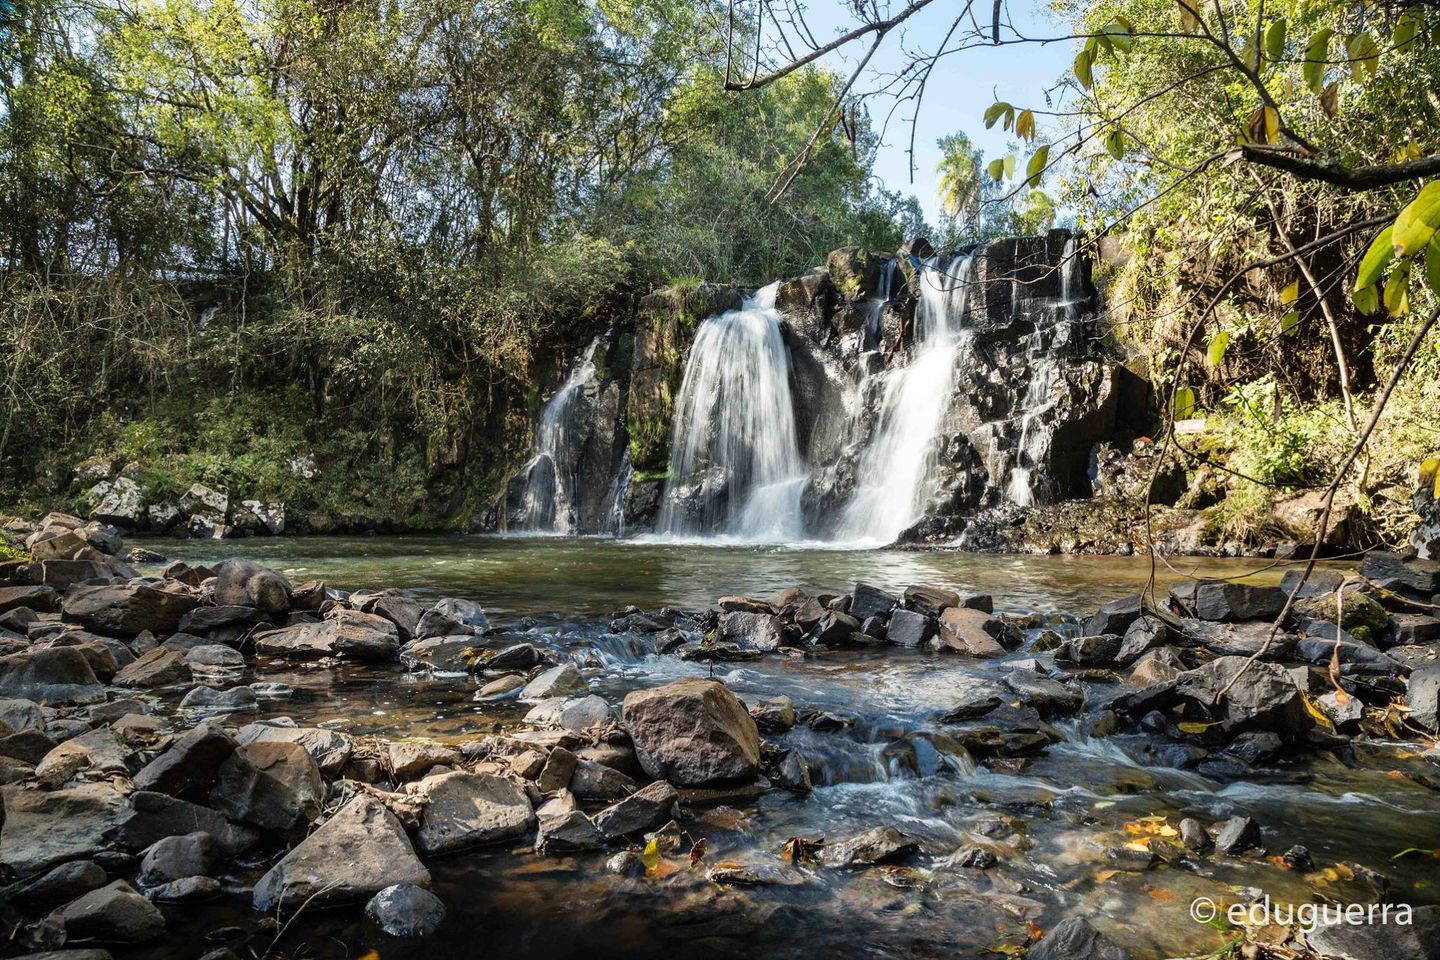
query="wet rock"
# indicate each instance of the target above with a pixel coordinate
(405, 910)
(693, 733)
(175, 858)
(1255, 747)
(210, 700)
(1142, 636)
(561, 681)
(716, 653)
(355, 854)
(1342, 939)
(411, 758)
(971, 632)
(930, 601)
(1075, 939)
(1237, 835)
(123, 610)
(1239, 639)
(1411, 573)
(451, 617)
(214, 657)
(835, 629)
(115, 913)
(1423, 696)
(362, 636)
(568, 833)
(50, 674)
(1193, 834)
(60, 885)
(642, 811)
(1115, 617)
(149, 817)
(745, 605)
(976, 699)
(1048, 696)
(273, 786)
(972, 858)
(1264, 698)
(594, 781)
(1298, 858)
(1097, 651)
(509, 685)
(876, 845)
(752, 630)
(774, 714)
(868, 600)
(908, 628)
(1228, 601)
(520, 656)
(403, 612)
(96, 751)
(330, 749)
(36, 599)
(185, 890)
(626, 863)
(158, 668)
(44, 828)
(245, 583)
(469, 809)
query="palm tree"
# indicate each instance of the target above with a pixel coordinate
(959, 186)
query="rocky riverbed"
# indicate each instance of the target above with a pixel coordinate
(219, 761)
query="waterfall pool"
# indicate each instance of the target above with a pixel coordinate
(1066, 826)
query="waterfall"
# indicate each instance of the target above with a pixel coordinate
(735, 465)
(895, 466)
(614, 525)
(548, 500)
(878, 303)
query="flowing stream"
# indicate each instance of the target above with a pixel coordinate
(548, 501)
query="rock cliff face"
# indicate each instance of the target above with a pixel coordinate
(924, 388)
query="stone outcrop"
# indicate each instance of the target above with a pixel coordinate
(693, 733)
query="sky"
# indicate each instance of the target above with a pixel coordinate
(961, 87)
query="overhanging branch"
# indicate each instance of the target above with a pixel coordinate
(1337, 175)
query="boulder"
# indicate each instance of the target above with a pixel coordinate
(124, 610)
(174, 858)
(274, 786)
(452, 616)
(1115, 616)
(405, 910)
(1265, 697)
(876, 845)
(1075, 939)
(752, 630)
(646, 809)
(1049, 697)
(330, 749)
(1095, 651)
(1238, 639)
(362, 636)
(1228, 601)
(50, 675)
(215, 658)
(1410, 573)
(1423, 696)
(44, 828)
(412, 758)
(468, 809)
(149, 817)
(95, 751)
(595, 781)
(300, 641)
(203, 699)
(60, 885)
(930, 600)
(835, 629)
(354, 855)
(205, 503)
(202, 620)
(1378, 938)
(121, 504)
(869, 600)
(1143, 635)
(558, 769)
(568, 833)
(693, 733)
(909, 628)
(158, 668)
(971, 632)
(1237, 835)
(36, 598)
(115, 913)
(245, 583)
(402, 611)
(561, 681)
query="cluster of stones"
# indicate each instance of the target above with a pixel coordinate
(201, 511)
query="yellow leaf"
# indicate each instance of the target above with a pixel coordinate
(1291, 293)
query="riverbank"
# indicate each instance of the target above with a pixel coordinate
(717, 776)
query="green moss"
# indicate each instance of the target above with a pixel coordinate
(9, 551)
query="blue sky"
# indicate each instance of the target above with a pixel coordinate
(961, 87)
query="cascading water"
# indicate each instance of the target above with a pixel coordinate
(891, 480)
(735, 465)
(548, 501)
(614, 525)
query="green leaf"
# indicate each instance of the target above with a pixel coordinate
(1364, 55)
(1397, 290)
(1290, 322)
(1084, 61)
(996, 169)
(1119, 36)
(1418, 221)
(1405, 30)
(1215, 355)
(1376, 259)
(1316, 53)
(1115, 143)
(1036, 167)
(1366, 300)
(1184, 403)
(1272, 125)
(993, 112)
(1275, 40)
(1010, 161)
(1432, 265)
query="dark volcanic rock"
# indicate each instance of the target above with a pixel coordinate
(124, 610)
(1223, 600)
(869, 600)
(114, 914)
(877, 845)
(1264, 698)
(1075, 939)
(693, 733)
(643, 810)
(245, 583)
(908, 628)
(1115, 617)
(405, 910)
(1237, 835)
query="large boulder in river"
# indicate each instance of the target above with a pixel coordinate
(113, 914)
(275, 786)
(354, 855)
(48, 827)
(752, 630)
(124, 610)
(972, 632)
(50, 675)
(693, 733)
(1265, 697)
(245, 583)
(468, 809)
(1228, 601)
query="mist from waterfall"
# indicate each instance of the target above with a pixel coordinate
(891, 482)
(548, 501)
(735, 466)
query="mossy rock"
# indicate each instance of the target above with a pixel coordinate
(1366, 620)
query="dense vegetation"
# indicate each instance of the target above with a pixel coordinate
(365, 231)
